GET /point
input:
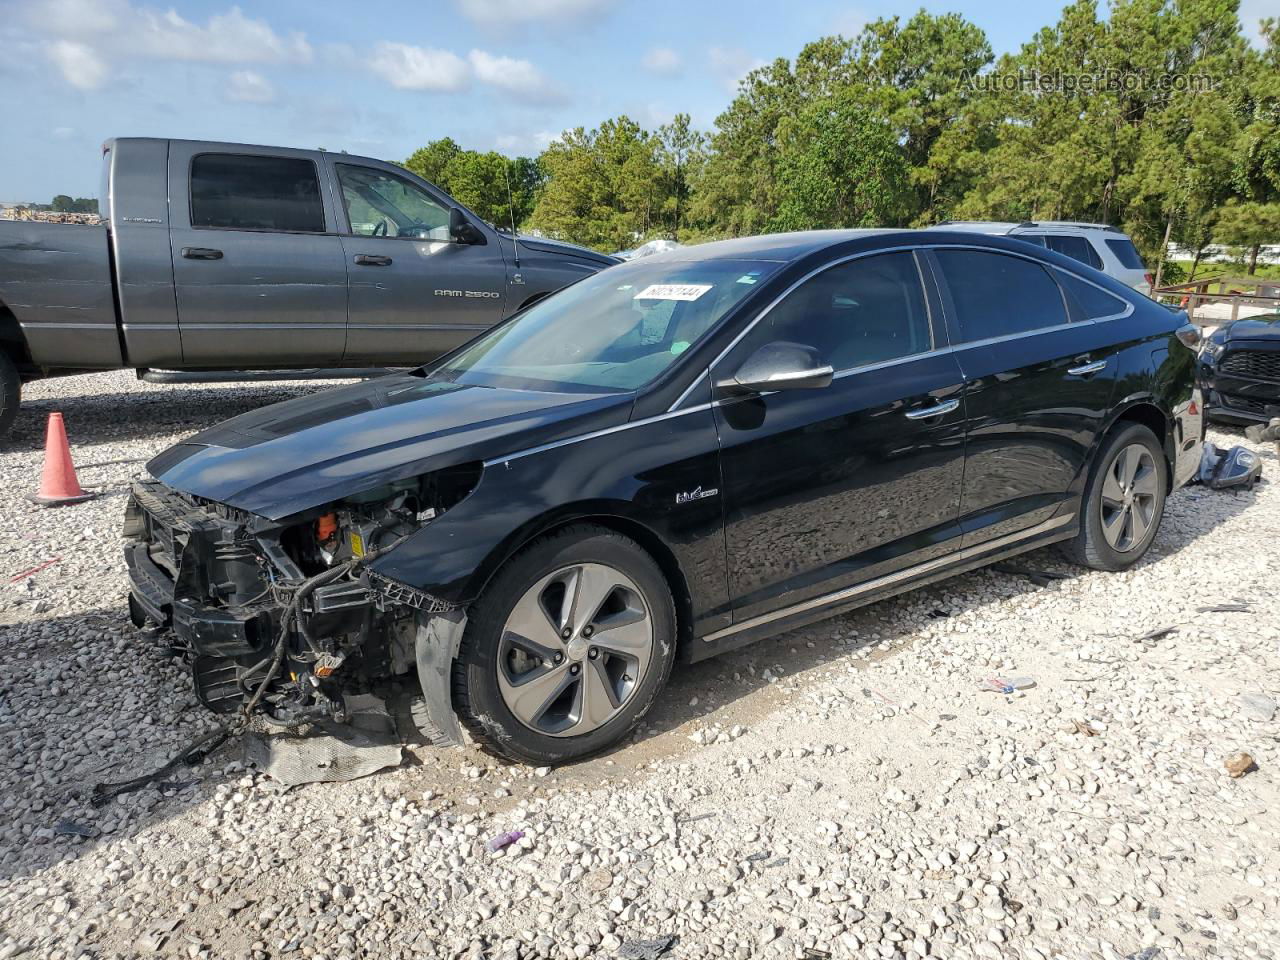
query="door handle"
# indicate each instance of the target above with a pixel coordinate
(201, 253)
(946, 406)
(1088, 369)
(372, 260)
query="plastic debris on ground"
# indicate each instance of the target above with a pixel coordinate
(1001, 685)
(645, 949)
(330, 752)
(504, 840)
(1223, 469)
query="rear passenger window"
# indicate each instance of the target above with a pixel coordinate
(1077, 248)
(1127, 254)
(242, 192)
(1095, 303)
(865, 311)
(997, 295)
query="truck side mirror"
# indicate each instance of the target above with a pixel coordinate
(462, 229)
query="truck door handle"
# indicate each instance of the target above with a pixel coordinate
(946, 406)
(1088, 369)
(201, 253)
(372, 260)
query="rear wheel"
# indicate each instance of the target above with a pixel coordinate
(1123, 501)
(10, 392)
(567, 648)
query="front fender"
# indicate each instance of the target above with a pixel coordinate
(634, 472)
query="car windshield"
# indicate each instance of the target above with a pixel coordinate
(614, 331)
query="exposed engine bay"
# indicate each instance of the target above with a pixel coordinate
(285, 617)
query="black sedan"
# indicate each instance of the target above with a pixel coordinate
(666, 460)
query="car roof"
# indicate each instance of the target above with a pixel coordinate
(1026, 226)
(782, 247)
(792, 247)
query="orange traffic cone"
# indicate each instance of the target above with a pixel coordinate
(58, 484)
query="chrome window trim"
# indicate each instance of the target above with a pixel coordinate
(913, 247)
(870, 586)
(1128, 307)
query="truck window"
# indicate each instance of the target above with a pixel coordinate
(380, 204)
(247, 192)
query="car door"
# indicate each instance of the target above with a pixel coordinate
(827, 487)
(259, 275)
(1038, 378)
(415, 291)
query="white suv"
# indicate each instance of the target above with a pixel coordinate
(1102, 247)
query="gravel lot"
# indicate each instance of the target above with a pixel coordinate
(847, 790)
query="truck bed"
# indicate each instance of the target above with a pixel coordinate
(55, 279)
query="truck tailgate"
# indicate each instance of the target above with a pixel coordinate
(56, 280)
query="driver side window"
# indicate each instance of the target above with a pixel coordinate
(865, 311)
(380, 204)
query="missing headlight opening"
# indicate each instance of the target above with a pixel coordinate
(285, 617)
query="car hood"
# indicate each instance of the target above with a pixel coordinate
(1265, 326)
(543, 245)
(303, 453)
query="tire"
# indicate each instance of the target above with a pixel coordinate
(10, 392)
(1118, 525)
(519, 682)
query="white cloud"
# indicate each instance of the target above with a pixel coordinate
(850, 21)
(524, 143)
(420, 68)
(731, 64)
(63, 133)
(661, 60)
(520, 78)
(80, 66)
(86, 36)
(500, 12)
(246, 86)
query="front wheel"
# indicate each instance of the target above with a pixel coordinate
(567, 648)
(1123, 501)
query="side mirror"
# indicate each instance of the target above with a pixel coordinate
(780, 366)
(462, 229)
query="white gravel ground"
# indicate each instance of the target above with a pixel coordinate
(845, 790)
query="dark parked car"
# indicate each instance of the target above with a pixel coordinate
(1240, 370)
(667, 460)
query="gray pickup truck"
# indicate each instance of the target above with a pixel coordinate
(228, 257)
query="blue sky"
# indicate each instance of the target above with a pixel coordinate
(381, 78)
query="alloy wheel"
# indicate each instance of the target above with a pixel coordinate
(1129, 493)
(574, 649)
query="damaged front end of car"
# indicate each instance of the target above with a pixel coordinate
(286, 617)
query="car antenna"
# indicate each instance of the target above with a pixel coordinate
(511, 210)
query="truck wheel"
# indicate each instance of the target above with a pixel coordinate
(566, 649)
(10, 392)
(1123, 501)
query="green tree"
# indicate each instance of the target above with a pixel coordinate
(62, 203)
(681, 155)
(840, 165)
(1248, 225)
(497, 188)
(604, 186)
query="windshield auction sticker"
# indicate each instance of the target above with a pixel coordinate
(673, 291)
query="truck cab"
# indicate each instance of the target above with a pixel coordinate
(221, 256)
